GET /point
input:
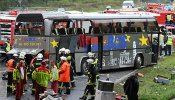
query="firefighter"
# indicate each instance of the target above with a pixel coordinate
(36, 64)
(42, 76)
(10, 67)
(91, 83)
(92, 56)
(64, 72)
(54, 77)
(70, 61)
(60, 53)
(19, 78)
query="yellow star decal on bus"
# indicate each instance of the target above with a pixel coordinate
(143, 40)
(127, 38)
(54, 43)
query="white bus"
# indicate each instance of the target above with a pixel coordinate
(119, 40)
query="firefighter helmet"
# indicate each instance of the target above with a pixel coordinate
(62, 50)
(40, 56)
(90, 61)
(63, 58)
(33, 52)
(67, 51)
(15, 55)
(22, 55)
(90, 54)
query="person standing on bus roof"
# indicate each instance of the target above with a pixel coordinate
(169, 44)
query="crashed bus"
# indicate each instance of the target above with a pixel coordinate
(118, 40)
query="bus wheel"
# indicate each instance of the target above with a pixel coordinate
(84, 67)
(138, 61)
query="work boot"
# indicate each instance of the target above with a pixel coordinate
(83, 98)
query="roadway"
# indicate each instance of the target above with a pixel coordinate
(115, 75)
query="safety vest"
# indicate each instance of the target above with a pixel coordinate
(7, 47)
(54, 74)
(170, 40)
(16, 75)
(41, 75)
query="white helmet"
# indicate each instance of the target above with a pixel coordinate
(22, 55)
(63, 58)
(15, 55)
(90, 61)
(33, 52)
(62, 50)
(90, 54)
(67, 51)
(39, 56)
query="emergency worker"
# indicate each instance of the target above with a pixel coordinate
(92, 56)
(11, 64)
(70, 60)
(91, 83)
(42, 76)
(7, 48)
(19, 78)
(169, 44)
(33, 58)
(64, 72)
(54, 77)
(7, 45)
(60, 54)
(36, 64)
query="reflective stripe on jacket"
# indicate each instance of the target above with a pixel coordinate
(41, 75)
(64, 72)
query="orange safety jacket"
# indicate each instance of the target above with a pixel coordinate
(10, 65)
(64, 72)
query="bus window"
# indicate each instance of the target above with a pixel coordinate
(152, 26)
(29, 28)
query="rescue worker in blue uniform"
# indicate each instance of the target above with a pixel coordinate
(91, 83)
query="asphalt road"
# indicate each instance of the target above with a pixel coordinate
(114, 75)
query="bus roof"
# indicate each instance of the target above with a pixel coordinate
(39, 17)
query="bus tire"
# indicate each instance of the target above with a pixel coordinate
(84, 67)
(138, 61)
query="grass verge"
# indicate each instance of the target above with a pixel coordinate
(149, 90)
